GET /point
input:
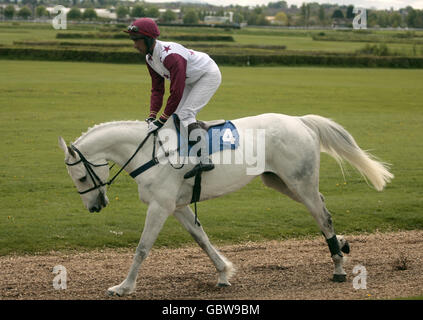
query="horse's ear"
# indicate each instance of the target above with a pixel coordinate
(66, 149)
(62, 145)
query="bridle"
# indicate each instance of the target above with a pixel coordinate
(98, 183)
(90, 171)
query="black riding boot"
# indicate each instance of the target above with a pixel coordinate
(205, 162)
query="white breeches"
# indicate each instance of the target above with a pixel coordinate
(197, 94)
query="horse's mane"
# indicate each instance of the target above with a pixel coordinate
(103, 125)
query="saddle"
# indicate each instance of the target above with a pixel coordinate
(206, 125)
(222, 135)
(224, 126)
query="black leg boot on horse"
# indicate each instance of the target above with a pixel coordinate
(205, 163)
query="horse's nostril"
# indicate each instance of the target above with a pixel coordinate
(102, 200)
(95, 209)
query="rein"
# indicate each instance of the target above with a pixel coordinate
(94, 177)
(154, 161)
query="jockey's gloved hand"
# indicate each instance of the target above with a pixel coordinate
(154, 126)
(150, 119)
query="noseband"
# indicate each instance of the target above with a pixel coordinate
(89, 167)
(95, 178)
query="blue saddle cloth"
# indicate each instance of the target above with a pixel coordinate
(221, 137)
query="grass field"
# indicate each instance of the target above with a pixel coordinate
(41, 211)
(296, 40)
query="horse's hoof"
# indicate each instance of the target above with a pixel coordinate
(339, 278)
(223, 285)
(111, 293)
(346, 248)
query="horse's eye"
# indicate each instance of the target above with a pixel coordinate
(83, 179)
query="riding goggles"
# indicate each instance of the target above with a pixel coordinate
(132, 28)
(133, 33)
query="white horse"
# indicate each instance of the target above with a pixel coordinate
(292, 160)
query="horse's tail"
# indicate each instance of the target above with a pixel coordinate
(338, 143)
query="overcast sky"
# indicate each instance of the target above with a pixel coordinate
(379, 4)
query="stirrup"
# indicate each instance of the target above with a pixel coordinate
(198, 168)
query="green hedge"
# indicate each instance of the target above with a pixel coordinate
(122, 35)
(127, 46)
(194, 46)
(198, 37)
(91, 35)
(221, 26)
(288, 59)
(320, 60)
(70, 55)
(73, 44)
(365, 38)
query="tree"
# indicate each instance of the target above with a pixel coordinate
(89, 14)
(238, 17)
(395, 20)
(121, 12)
(202, 14)
(350, 13)
(415, 18)
(25, 12)
(305, 13)
(383, 19)
(74, 14)
(337, 14)
(322, 14)
(138, 11)
(278, 5)
(257, 10)
(220, 13)
(168, 16)
(190, 17)
(290, 19)
(152, 12)
(32, 3)
(252, 19)
(281, 18)
(9, 11)
(261, 20)
(371, 18)
(419, 20)
(41, 11)
(411, 18)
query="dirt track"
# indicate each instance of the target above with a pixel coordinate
(292, 269)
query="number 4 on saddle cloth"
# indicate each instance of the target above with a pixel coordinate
(222, 135)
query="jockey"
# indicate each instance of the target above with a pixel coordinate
(194, 78)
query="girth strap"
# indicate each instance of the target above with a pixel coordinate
(196, 192)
